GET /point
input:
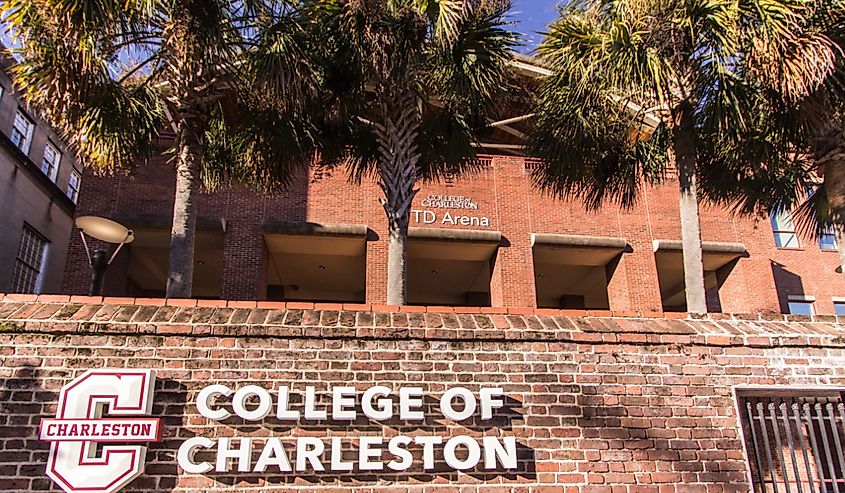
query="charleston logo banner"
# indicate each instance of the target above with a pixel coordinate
(81, 459)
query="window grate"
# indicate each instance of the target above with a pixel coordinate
(795, 444)
(29, 261)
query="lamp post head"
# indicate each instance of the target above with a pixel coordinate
(105, 229)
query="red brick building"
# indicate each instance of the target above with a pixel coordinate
(39, 185)
(487, 239)
(555, 309)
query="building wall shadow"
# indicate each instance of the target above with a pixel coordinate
(632, 436)
(23, 401)
(786, 283)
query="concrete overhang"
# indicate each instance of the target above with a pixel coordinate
(303, 228)
(456, 235)
(715, 254)
(530, 67)
(576, 249)
(706, 246)
(143, 221)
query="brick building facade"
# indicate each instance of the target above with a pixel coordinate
(487, 239)
(39, 183)
(595, 404)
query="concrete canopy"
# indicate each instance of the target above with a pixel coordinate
(572, 271)
(451, 267)
(717, 260)
(311, 261)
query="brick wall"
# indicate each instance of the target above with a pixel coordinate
(597, 404)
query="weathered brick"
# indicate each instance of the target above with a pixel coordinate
(631, 405)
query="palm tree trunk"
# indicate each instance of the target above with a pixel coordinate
(839, 230)
(399, 155)
(684, 151)
(830, 154)
(834, 184)
(181, 266)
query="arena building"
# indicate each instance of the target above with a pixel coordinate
(486, 239)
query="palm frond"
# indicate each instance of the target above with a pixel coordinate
(444, 16)
(451, 55)
(280, 68)
(103, 72)
(741, 65)
(446, 145)
(119, 128)
(813, 217)
(590, 130)
(472, 71)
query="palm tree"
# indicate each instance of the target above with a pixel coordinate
(222, 74)
(408, 83)
(805, 90)
(637, 84)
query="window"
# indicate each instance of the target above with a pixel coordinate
(784, 230)
(827, 240)
(29, 263)
(73, 185)
(839, 308)
(50, 163)
(800, 307)
(22, 132)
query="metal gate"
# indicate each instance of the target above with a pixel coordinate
(795, 444)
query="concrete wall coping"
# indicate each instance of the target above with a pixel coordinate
(151, 221)
(210, 318)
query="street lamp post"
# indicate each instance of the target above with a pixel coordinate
(107, 231)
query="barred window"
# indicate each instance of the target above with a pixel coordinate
(50, 162)
(22, 132)
(794, 439)
(29, 263)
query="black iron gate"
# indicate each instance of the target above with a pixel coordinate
(795, 444)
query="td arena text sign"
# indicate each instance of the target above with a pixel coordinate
(254, 403)
(105, 420)
(449, 210)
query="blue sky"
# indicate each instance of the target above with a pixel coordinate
(533, 16)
